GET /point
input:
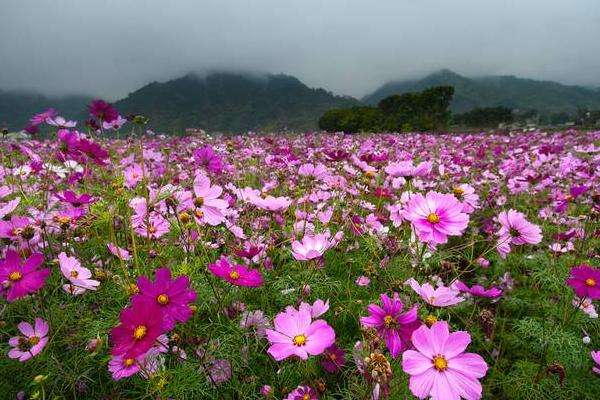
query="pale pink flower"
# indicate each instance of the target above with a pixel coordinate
(436, 216)
(442, 296)
(33, 340)
(78, 276)
(440, 368)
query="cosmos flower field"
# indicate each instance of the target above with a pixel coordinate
(302, 267)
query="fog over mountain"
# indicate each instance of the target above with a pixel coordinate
(110, 48)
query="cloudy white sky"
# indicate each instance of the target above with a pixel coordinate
(111, 47)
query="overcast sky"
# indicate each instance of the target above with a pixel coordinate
(112, 47)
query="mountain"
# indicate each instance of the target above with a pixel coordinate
(492, 91)
(17, 107)
(231, 102)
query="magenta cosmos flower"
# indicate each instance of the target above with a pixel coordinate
(436, 216)
(296, 334)
(441, 296)
(596, 357)
(236, 274)
(395, 326)
(585, 281)
(20, 278)
(477, 290)
(303, 393)
(440, 368)
(103, 111)
(31, 342)
(333, 359)
(141, 324)
(172, 296)
(206, 157)
(516, 230)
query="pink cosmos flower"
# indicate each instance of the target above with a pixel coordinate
(31, 343)
(585, 281)
(466, 195)
(60, 122)
(516, 230)
(596, 357)
(121, 367)
(209, 208)
(392, 324)
(333, 359)
(270, 203)
(440, 368)
(141, 324)
(115, 124)
(20, 278)
(312, 246)
(133, 175)
(477, 290)
(119, 252)
(257, 320)
(103, 111)
(206, 156)
(296, 334)
(303, 393)
(362, 281)
(72, 198)
(172, 296)
(441, 296)
(8, 207)
(236, 274)
(78, 276)
(408, 169)
(436, 216)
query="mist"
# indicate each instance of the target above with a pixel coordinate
(109, 48)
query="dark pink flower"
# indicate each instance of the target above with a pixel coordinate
(206, 157)
(172, 296)
(20, 278)
(477, 290)
(141, 324)
(585, 281)
(333, 359)
(102, 110)
(392, 324)
(236, 274)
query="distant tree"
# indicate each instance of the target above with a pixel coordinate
(423, 111)
(485, 117)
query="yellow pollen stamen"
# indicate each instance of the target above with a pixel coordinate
(440, 363)
(590, 282)
(458, 191)
(234, 275)
(199, 213)
(34, 340)
(74, 274)
(162, 299)
(433, 218)
(152, 229)
(389, 321)
(15, 276)
(199, 201)
(139, 332)
(299, 340)
(306, 397)
(128, 362)
(430, 320)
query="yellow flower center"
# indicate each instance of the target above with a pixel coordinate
(306, 397)
(199, 213)
(152, 229)
(430, 320)
(458, 191)
(299, 340)
(15, 276)
(440, 363)
(234, 275)
(139, 332)
(17, 231)
(34, 340)
(132, 289)
(198, 201)
(63, 220)
(74, 274)
(128, 362)
(389, 321)
(590, 282)
(163, 299)
(433, 218)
